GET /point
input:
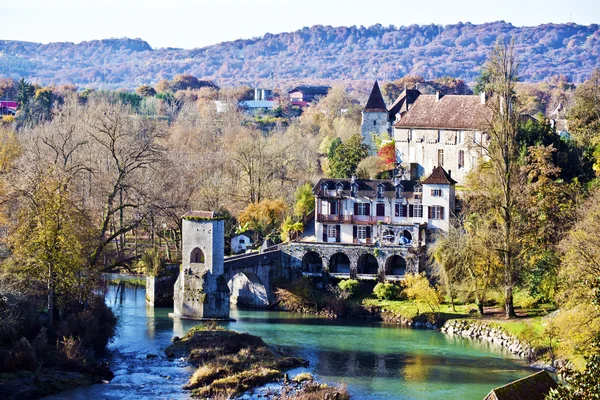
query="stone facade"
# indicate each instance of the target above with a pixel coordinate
(201, 290)
(374, 123)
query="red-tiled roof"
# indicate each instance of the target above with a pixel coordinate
(439, 176)
(375, 102)
(449, 112)
(199, 214)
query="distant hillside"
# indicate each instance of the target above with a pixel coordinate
(319, 52)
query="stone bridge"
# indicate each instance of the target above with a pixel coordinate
(251, 277)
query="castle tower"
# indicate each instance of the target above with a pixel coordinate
(201, 290)
(374, 118)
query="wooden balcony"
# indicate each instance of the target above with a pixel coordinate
(353, 219)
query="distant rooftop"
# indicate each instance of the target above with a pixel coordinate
(307, 89)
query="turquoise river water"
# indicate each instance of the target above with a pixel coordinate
(373, 359)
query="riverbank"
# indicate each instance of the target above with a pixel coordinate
(525, 335)
(229, 364)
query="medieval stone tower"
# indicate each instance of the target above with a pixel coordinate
(374, 118)
(201, 290)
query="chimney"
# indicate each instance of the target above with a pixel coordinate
(353, 179)
(438, 95)
(450, 173)
(482, 97)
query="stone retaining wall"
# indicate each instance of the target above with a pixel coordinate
(483, 331)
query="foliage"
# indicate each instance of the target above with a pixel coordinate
(305, 200)
(145, 91)
(290, 229)
(370, 167)
(406, 50)
(387, 153)
(152, 263)
(580, 385)
(386, 291)
(349, 287)
(418, 288)
(345, 157)
(264, 217)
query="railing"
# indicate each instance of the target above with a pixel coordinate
(354, 219)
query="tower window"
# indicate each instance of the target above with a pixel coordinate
(374, 123)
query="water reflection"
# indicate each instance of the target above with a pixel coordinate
(375, 360)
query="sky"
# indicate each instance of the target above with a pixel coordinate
(190, 24)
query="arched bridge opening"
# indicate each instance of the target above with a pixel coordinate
(395, 266)
(247, 290)
(312, 263)
(367, 265)
(339, 264)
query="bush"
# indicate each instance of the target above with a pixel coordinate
(386, 291)
(7, 363)
(24, 355)
(95, 326)
(349, 286)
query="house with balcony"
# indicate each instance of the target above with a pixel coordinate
(386, 212)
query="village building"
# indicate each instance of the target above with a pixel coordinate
(305, 94)
(8, 107)
(378, 211)
(240, 243)
(430, 130)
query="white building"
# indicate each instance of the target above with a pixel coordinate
(430, 130)
(241, 242)
(398, 212)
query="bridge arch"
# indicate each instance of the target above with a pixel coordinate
(339, 263)
(247, 289)
(312, 262)
(197, 256)
(367, 265)
(395, 265)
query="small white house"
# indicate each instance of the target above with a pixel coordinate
(239, 243)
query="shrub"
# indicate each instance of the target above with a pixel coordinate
(386, 291)
(24, 355)
(349, 286)
(70, 348)
(95, 326)
(7, 363)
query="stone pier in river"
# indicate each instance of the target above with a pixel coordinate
(201, 290)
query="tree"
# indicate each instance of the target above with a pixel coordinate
(580, 385)
(49, 240)
(264, 217)
(387, 153)
(145, 91)
(418, 288)
(25, 92)
(346, 156)
(305, 200)
(497, 180)
(290, 229)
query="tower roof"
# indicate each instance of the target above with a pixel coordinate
(439, 176)
(375, 102)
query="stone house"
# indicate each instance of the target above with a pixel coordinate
(430, 130)
(389, 212)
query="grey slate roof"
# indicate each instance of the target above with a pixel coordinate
(366, 187)
(401, 104)
(375, 102)
(307, 89)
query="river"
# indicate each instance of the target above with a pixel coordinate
(373, 359)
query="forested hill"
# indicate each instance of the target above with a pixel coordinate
(319, 52)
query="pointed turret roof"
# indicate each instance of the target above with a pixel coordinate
(439, 176)
(375, 102)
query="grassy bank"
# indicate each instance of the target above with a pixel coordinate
(228, 363)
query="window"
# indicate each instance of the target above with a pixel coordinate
(436, 192)
(461, 137)
(354, 189)
(401, 210)
(363, 209)
(380, 189)
(436, 212)
(461, 159)
(440, 136)
(242, 241)
(374, 123)
(410, 134)
(415, 211)
(332, 207)
(440, 157)
(418, 192)
(380, 210)
(331, 231)
(361, 233)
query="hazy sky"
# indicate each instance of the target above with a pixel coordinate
(189, 24)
